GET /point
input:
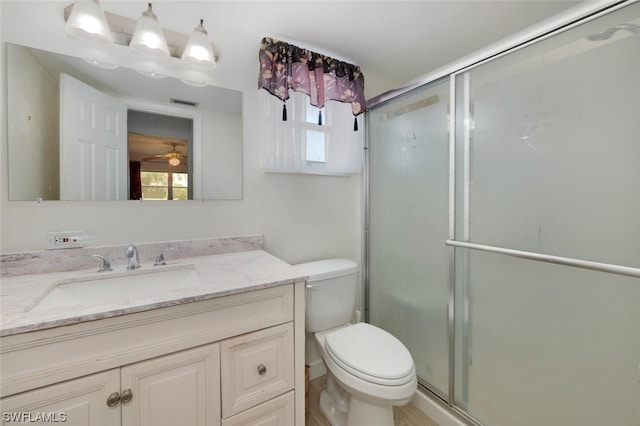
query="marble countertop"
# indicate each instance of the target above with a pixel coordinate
(220, 275)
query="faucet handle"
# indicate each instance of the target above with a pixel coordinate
(132, 253)
(160, 259)
(105, 265)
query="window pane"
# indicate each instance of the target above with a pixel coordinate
(154, 178)
(155, 193)
(180, 180)
(311, 111)
(315, 147)
(155, 185)
(180, 194)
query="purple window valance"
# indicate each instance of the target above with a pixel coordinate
(284, 66)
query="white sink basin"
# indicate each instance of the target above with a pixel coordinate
(110, 287)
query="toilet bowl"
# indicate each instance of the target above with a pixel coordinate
(374, 368)
(368, 369)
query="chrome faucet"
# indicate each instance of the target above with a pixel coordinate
(132, 253)
(105, 265)
(160, 259)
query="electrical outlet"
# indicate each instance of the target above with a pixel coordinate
(66, 239)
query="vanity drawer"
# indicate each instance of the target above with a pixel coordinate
(278, 411)
(256, 367)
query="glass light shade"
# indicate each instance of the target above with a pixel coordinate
(174, 161)
(148, 37)
(87, 22)
(199, 51)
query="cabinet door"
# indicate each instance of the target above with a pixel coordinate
(178, 389)
(79, 402)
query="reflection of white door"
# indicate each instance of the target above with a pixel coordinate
(93, 143)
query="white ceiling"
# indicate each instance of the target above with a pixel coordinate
(393, 41)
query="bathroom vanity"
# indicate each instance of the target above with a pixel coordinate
(225, 349)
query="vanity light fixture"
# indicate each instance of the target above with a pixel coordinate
(87, 22)
(148, 37)
(199, 51)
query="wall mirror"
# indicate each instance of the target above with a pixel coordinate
(88, 131)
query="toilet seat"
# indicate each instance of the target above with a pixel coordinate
(371, 354)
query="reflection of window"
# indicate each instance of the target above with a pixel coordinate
(164, 185)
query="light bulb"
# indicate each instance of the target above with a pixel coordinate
(199, 51)
(148, 37)
(88, 22)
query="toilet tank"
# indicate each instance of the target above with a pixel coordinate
(330, 294)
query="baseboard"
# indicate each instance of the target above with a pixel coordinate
(317, 369)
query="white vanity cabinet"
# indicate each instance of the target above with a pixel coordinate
(175, 389)
(230, 360)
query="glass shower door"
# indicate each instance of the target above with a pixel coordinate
(408, 225)
(547, 164)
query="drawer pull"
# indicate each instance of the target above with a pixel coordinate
(262, 370)
(113, 399)
(127, 395)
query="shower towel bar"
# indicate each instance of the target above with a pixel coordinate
(584, 264)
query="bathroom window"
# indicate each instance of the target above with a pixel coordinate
(302, 145)
(164, 185)
(315, 147)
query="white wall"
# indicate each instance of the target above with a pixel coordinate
(219, 175)
(301, 217)
(35, 122)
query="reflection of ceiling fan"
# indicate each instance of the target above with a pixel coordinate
(173, 156)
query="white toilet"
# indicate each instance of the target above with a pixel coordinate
(369, 370)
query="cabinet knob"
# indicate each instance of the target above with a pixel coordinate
(113, 399)
(262, 369)
(127, 395)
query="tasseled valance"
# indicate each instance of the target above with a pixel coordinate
(284, 66)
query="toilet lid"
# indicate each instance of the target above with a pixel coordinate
(371, 354)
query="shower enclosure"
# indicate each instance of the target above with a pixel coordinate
(503, 217)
